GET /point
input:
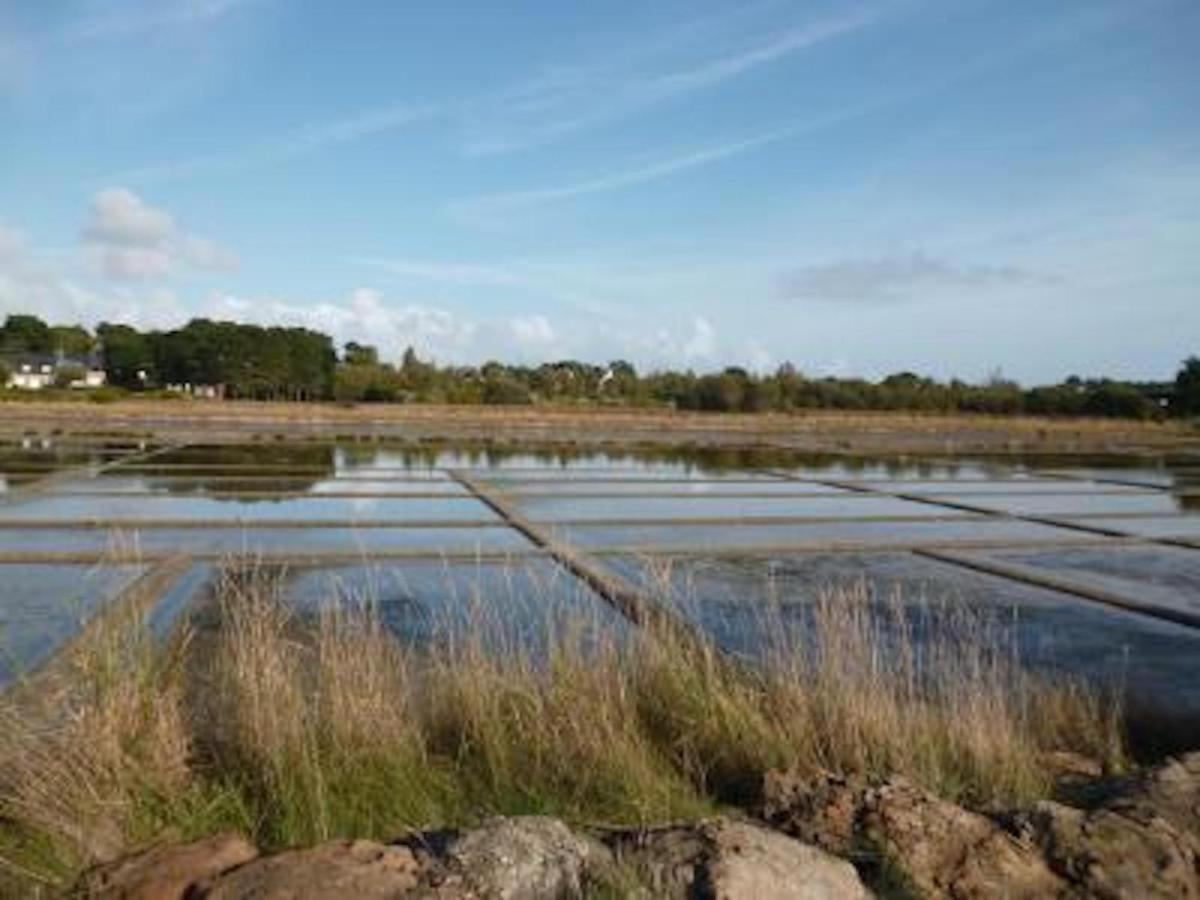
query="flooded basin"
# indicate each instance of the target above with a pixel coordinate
(461, 535)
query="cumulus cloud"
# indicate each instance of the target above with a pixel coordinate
(32, 282)
(888, 279)
(365, 315)
(532, 331)
(703, 341)
(131, 240)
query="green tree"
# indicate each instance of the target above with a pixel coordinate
(127, 352)
(1186, 399)
(71, 340)
(504, 390)
(356, 354)
(64, 376)
(25, 334)
(1118, 400)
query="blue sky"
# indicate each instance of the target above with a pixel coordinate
(947, 186)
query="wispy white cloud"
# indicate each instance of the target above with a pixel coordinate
(441, 272)
(566, 99)
(113, 21)
(484, 206)
(888, 279)
(303, 141)
(541, 109)
(773, 48)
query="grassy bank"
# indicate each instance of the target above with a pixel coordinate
(294, 729)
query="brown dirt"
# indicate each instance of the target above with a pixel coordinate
(815, 431)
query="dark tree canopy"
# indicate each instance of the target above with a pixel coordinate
(1186, 398)
(25, 334)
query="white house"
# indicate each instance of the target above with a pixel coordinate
(34, 372)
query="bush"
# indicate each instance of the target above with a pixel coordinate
(505, 391)
(107, 394)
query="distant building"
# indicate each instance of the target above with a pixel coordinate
(202, 391)
(35, 372)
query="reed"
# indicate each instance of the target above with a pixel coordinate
(296, 728)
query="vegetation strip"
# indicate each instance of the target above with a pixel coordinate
(1027, 575)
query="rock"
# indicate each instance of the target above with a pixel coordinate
(525, 858)
(942, 850)
(747, 862)
(167, 872)
(726, 859)
(1118, 853)
(1171, 790)
(821, 809)
(364, 870)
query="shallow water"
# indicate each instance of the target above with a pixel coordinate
(42, 606)
(744, 604)
(304, 502)
(315, 508)
(516, 607)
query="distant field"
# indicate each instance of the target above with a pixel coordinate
(816, 430)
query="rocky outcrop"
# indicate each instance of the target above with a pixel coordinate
(727, 859)
(523, 858)
(943, 850)
(361, 869)
(1138, 839)
(1104, 853)
(167, 870)
(903, 834)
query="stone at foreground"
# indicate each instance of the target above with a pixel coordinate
(943, 850)
(1140, 837)
(726, 859)
(933, 848)
(1142, 840)
(167, 871)
(1171, 791)
(521, 858)
(1108, 854)
(330, 871)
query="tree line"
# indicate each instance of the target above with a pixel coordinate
(275, 363)
(245, 361)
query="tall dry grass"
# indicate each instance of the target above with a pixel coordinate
(298, 728)
(97, 759)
